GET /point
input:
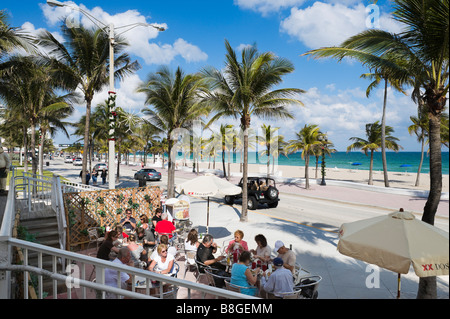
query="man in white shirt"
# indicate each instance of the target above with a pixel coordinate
(123, 258)
(279, 282)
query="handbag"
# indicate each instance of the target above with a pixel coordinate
(3, 173)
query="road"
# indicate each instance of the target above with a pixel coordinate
(320, 213)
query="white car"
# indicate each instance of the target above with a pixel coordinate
(68, 159)
(78, 162)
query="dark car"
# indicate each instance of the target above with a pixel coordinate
(260, 190)
(149, 174)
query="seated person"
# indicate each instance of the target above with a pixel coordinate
(136, 250)
(205, 255)
(111, 279)
(262, 186)
(237, 243)
(156, 218)
(286, 254)
(128, 222)
(108, 245)
(263, 250)
(170, 249)
(145, 237)
(280, 281)
(165, 227)
(163, 262)
(122, 236)
(242, 276)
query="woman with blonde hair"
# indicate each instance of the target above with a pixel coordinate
(163, 262)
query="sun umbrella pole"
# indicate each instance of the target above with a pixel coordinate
(207, 219)
(398, 287)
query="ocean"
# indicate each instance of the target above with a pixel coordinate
(395, 161)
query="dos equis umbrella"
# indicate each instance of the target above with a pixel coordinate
(395, 242)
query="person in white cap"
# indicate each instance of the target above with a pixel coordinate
(286, 254)
(5, 163)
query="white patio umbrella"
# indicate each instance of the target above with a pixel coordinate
(395, 241)
(206, 186)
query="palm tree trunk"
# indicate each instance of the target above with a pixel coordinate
(245, 120)
(119, 155)
(383, 137)
(34, 159)
(371, 168)
(170, 170)
(25, 149)
(427, 285)
(307, 171)
(421, 161)
(86, 140)
(317, 166)
(41, 152)
(223, 164)
(268, 160)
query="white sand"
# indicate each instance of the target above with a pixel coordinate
(396, 179)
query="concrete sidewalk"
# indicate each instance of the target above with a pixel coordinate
(343, 277)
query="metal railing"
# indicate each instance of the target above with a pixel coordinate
(74, 274)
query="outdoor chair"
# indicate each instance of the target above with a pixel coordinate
(189, 261)
(175, 269)
(300, 273)
(236, 288)
(214, 278)
(171, 294)
(285, 295)
(94, 237)
(308, 286)
(200, 268)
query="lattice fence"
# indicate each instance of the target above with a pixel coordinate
(106, 208)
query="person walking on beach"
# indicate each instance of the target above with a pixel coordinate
(103, 176)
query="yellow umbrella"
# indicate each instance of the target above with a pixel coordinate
(395, 241)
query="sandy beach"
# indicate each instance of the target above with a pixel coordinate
(396, 179)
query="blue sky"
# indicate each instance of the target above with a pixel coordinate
(196, 30)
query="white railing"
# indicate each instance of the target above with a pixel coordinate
(74, 275)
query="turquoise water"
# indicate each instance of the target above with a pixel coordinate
(394, 161)
(344, 160)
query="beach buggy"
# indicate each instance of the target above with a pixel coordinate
(260, 190)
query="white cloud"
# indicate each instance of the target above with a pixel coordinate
(267, 6)
(325, 24)
(140, 39)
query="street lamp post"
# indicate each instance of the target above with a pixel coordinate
(323, 183)
(111, 93)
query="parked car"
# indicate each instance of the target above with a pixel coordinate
(68, 159)
(78, 162)
(148, 174)
(100, 166)
(260, 190)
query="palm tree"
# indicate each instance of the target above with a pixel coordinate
(273, 143)
(373, 143)
(245, 90)
(82, 60)
(175, 102)
(423, 49)
(13, 38)
(29, 87)
(420, 129)
(394, 83)
(307, 140)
